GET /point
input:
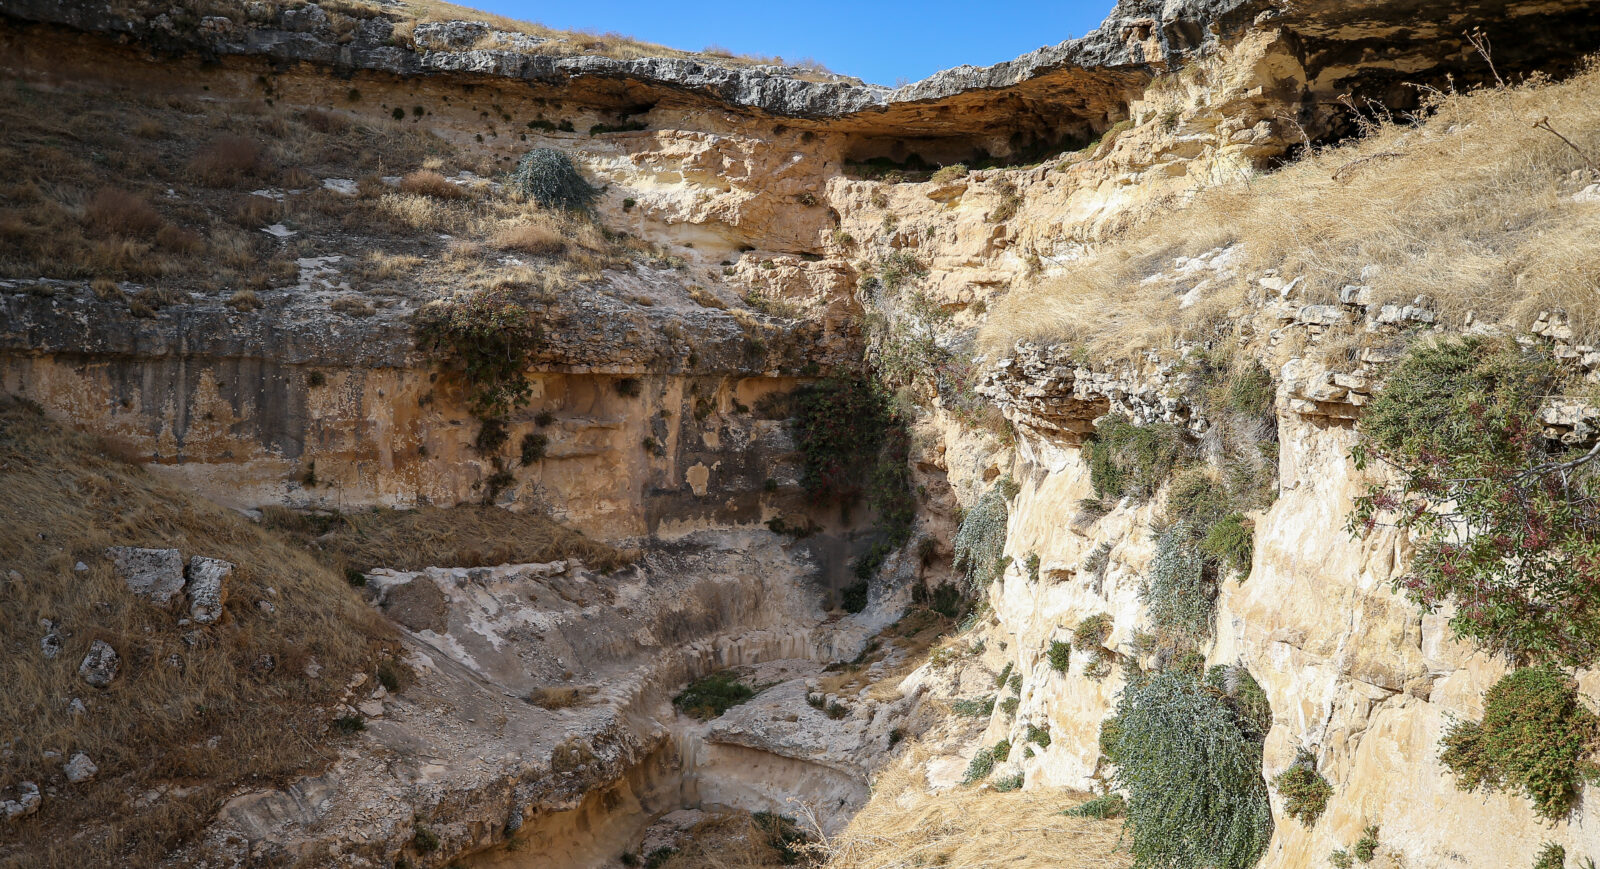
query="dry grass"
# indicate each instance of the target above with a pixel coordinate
(542, 238)
(426, 182)
(185, 707)
(439, 537)
(1472, 208)
(117, 212)
(914, 634)
(905, 826)
(228, 160)
(353, 306)
(730, 840)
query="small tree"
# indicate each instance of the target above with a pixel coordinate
(549, 178)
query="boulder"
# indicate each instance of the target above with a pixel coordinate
(99, 667)
(25, 804)
(206, 591)
(80, 768)
(50, 643)
(153, 574)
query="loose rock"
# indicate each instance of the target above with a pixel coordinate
(206, 591)
(153, 574)
(80, 768)
(99, 667)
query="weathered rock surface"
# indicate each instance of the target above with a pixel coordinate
(80, 768)
(207, 589)
(153, 574)
(100, 665)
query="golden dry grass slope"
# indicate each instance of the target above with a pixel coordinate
(905, 825)
(193, 710)
(1471, 206)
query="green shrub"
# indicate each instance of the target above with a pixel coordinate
(981, 540)
(1192, 773)
(491, 337)
(1060, 655)
(1232, 543)
(1092, 632)
(1031, 565)
(1010, 704)
(491, 436)
(1099, 665)
(1039, 736)
(1340, 859)
(1008, 783)
(854, 597)
(548, 177)
(946, 174)
(1101, 808)
(1552, 856)
(348, 724)
(1177, 591)
(1305, 792)
(1094, 564)
(1533, 739)
(1015, 682)
(1005, 673)
(1457, 426)
(980, 766)
(424, 840)
(1366, 847)
(710, 696)
(534, 447)
(1128, 459)
(982, 707)
(1002, 751)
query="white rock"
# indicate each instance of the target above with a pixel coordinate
(206, 591)
(24, 805)
(99, 667)
(153, 574)
(278, 230)
(343, 186)
(80, 768)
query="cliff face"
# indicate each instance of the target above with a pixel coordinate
(756, 229)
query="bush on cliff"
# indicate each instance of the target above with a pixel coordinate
(1129, 459)
(548, 177)
(1536, 737)
(491, 337)
(1508, 520)
(980, 542)
(1192, 770)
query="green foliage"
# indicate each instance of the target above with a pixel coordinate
(424, 840)
(548, 177)
(1134, 460)
(1509, 521)
(348, 724)
(710, 696)
(534, 447)
(1231, 542)
(1101, 808)
(1552, 856)
(1015, 682)
(1092, 632)
(1010, 704)
(1305, 792)
(980, 766)
(854, 597)
(1059, 655)
(980, 542)
(1008, 783)
(839, 427)
(1178, 590)
(1039, 736)
(491, 436)
(1534, 738)
(1340, 859)
(982, 707)
(1192, 773)
(1031, 565)
(491, 337)
(1005, 673)
(1002, 750)
(1366, 847)
(946, 174)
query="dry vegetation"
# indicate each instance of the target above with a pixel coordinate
(183, 715)
(1472, 207)
(913, 635)
(732, 840)
(92, 202)
(435, 537)
(971, 827)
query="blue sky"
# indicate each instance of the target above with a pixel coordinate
(881, 42)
